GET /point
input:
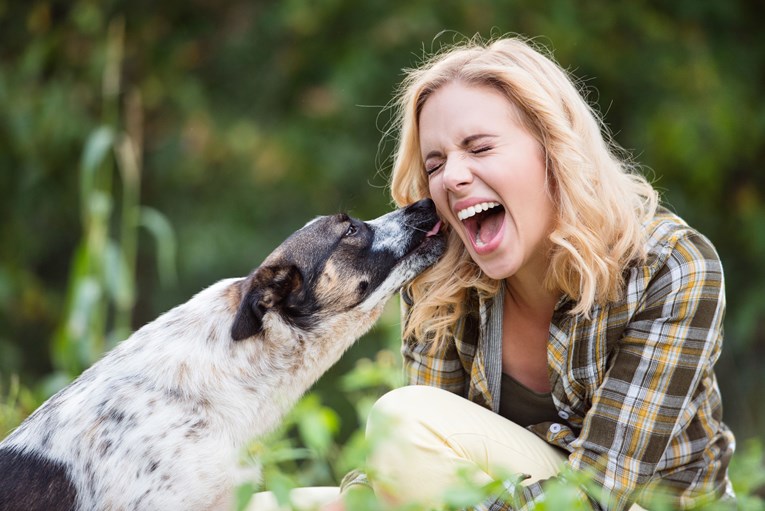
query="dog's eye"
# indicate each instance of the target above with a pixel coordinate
(352, 230)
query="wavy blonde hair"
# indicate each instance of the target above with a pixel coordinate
(601, 200)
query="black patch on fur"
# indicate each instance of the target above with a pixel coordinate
(270, 287)
(287, 282)
(30, 482)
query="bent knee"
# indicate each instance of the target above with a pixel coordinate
(406, 407)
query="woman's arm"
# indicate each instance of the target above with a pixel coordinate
(659, 376)
(440, 368)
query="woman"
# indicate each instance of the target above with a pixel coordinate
(571, 325)
(573, 322)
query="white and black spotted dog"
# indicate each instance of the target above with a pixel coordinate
(159, 422)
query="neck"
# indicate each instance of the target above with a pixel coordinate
(239, 385)
(530, 297)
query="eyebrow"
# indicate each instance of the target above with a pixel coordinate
(465, 142)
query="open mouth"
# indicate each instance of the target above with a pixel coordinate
(434, 231)
(429, 236)
(483, 222)
(428, 242)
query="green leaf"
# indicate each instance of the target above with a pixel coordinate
(361, 497)
(162, 231)
(318, 427)
(72, 346)
(244, 494)
(747, 469)
(280, 485)
(463, 497)
(117, 278)
(98, 145)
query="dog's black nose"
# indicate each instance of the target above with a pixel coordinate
(425, 206)
(421, 215)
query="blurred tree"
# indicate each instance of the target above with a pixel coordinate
(260, 115)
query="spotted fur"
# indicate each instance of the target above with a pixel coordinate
(160, 421)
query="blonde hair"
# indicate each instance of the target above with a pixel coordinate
(601, 200)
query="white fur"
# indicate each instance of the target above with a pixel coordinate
(388, 233)
(159, 422)
(185, 363)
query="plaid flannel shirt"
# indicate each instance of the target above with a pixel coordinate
(634, 385)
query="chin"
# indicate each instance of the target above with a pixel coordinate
(496, 271)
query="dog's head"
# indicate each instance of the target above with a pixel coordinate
(336, 264)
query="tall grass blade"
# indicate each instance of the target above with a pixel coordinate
(162, 231)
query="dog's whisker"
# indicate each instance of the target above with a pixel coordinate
(233, 345)
(415, 228)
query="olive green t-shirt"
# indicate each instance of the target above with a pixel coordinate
(524, 406)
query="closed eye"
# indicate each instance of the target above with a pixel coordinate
(481, 149)
(430, 169)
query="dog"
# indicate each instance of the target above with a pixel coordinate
(159, 422)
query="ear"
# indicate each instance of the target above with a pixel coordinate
(266, 288)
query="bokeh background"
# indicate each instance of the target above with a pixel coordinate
(148, 149)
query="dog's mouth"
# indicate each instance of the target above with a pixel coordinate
(428, 247)
(483, 222)
(425, 232)
(428, 234)
(412, 234)
(435, 231)
(430, 240)
(407, 242)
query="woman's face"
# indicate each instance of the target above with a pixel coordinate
(487, 177)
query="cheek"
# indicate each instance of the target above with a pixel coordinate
(539, 216)
(438, 194)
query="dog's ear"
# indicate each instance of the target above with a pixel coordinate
(266, 288)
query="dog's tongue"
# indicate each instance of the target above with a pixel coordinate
(436, 228)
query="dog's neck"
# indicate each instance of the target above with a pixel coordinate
(246, 386)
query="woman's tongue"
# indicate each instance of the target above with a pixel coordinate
(484, 227)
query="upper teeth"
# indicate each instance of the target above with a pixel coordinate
(477, 208)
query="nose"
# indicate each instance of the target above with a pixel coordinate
(421, 215)
(422, 206)
(456, 173)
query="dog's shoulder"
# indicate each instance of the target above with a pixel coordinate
(31, 482)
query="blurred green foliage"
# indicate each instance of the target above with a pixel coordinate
(306, 451)
(244, 119)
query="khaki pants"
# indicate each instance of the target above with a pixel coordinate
(429, 434)
(302, 499)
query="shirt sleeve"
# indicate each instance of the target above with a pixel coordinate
(424, 365)
(653, 380)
